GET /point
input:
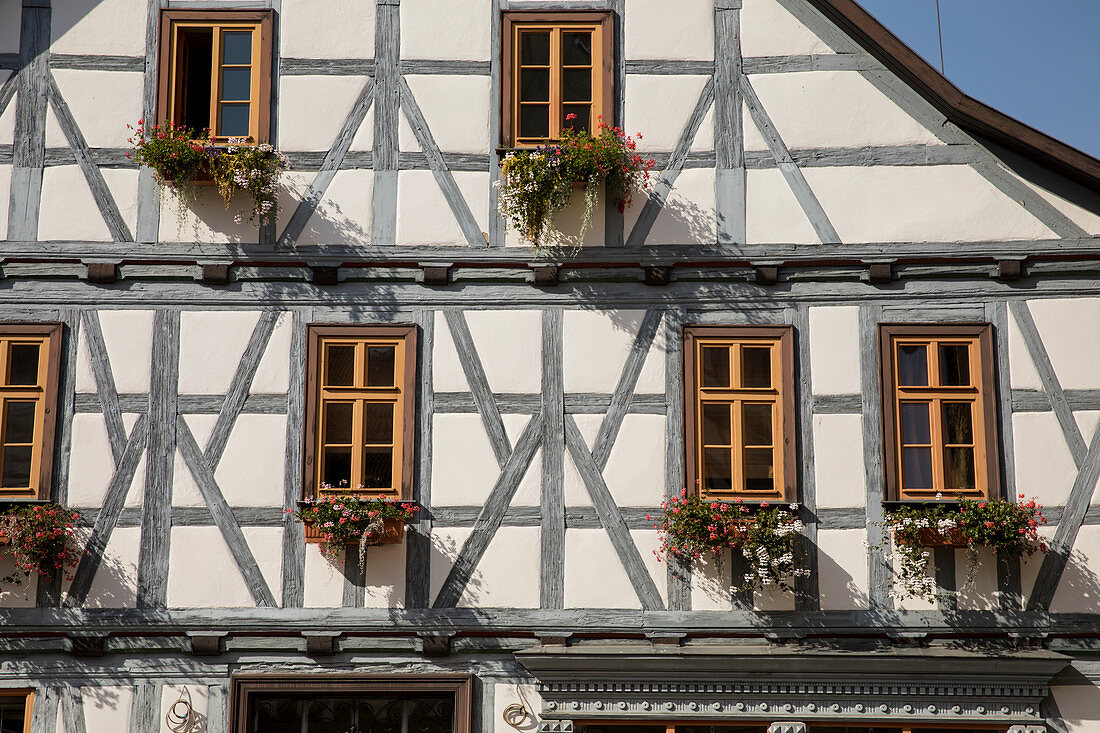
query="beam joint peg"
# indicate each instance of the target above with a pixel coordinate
(102, 273)
(658, 275)
(1010, 270)
(320, 644)
(767, 275)
(880, 273)
(436, 273)
(325, 274)
(206, 643)
(215, 273)
(546, 276)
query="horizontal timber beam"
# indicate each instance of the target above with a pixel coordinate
(138, 402)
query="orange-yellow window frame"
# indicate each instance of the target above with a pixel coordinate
(43, 394)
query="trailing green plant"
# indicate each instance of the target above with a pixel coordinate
(41, 540)
(693, 527)
(1008, 528)
(536, 184)
(171, 151)
(350, 519)
(252, 169)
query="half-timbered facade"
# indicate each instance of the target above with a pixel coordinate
(826, 207)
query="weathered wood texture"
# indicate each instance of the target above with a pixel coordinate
(678, 575)
(29, 149)
(728, 133)
(418, 537)
(387, 106)
(877, 566)
(807, 595)
(479, 385)
(552, 534)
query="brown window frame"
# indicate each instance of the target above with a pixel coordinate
(318, 333)
(986, 441)
(603, 69)
(783, 439)
(244, 686)
(49, 371)
(263, 20)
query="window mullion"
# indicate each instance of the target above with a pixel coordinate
(935, 423)
(254, 89)
(555, 83)
(737, 457)
(358, 417)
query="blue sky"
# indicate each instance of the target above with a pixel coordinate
(1036, 60)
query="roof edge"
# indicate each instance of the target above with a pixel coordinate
(959, 108)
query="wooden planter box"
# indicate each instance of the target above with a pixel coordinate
(393, 533)
(935, 538)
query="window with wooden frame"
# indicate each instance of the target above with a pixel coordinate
(361, 400)
(939, 411)
(29, 365)
(215, 72)
(16, 708)
(325, 703)
(739, 405)
(557, 74)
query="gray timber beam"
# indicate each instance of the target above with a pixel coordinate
(613, 218)
(552, 520)
(7, 91)
(44, 714)
(496, 221)
(72, 709)
(807, 595)
(729, 144)
(294, 550)
(96, 62)
(870, 388)
(479, 385)
(327, 67)
(810, 62)
(387, 109)
(145, 707)
(105, 383)
(678, 574)
(418, 551)
(148, 214)
(28, 154)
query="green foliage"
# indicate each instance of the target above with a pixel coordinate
(693, 527)
(250, 169)
(345, 520)
(172, 152)
(42, 539)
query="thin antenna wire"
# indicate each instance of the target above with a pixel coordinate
(939, 33)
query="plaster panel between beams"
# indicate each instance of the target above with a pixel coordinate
(1079, 589)
(839, 473)
(206, 218)
(323, 580)
(842, 569)
(688, 215)
(457, 29)
(88, 94)
(567, 224)
(596, 347)
(769, 29)
(509, 344)
(464, 469)
(1078, 707)
(425, 218)
(344, 214)
(203, 574)
(320, 105)
(252, 469)
(446, 544)
(385, 577)
(657, 29)
(68, 209)
(211, 346)
(198, 695)
(107, 707)
(115, 582)
(23, 595)
(94, 27)
(1062, 325)
(447, 374)
(946, 203)
(1022, 370)
(1044, 465)
(1030, 566)
(347, 25)
(772, 213)
(9, 32)
(456, 110)
(507, 576)
(576, 491)
(7, 119)
(657, 107)
(85, 377)
(273, 372)
(594, 575)
(635, 472)
(834, 350)
(90, 464)
(977, 591)
(128, 336)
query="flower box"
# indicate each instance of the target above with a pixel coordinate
(953, 538)
(393, 533)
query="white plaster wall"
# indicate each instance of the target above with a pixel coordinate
(947, 203)
(711, 584)
(348, 29)
(464, 468)
(688, 216)
(1086, 422)
(93, 26)
(529, 491)
(447, 374)
(509, 694)
(596, 347)
(1044, 465)
(7, 119)
(457, 29)
(566, 231)
(385, 576)
(9, 32)
(107, 708)
(594, 576)
(834, 350)
(509, 344)
(320, 105)
(203, 574)
(68, 210)
(344, 214)
(446, 544)
(1062, 323)
(1079, 589)
(508, 574)
(206, 218)
(704, 139)
(976, 591)
(185, 491)
(772, 213)
(1022, 372)
(768, 29)
(88, 94)
(418, 192)
(635, 473)
(839, 473)
(653, 30)
(23, 595)
(197, 694)
(842, 569)
(91, 463)
(323, 584)
(455, 108)
(273, 372)
(1029, 566)
(1079, 707)
(576, 491)
(1089, 220)
(115, 582)
(211, 346)
(660, 125)
(252, 470)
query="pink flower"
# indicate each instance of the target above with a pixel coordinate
(570, 116)
(989, 525)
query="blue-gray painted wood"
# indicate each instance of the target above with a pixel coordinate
(496, 221)
(332, 162)
(1009, 584)
(294, 549)
(148, 214)
(418, 535)
(387, 105)
(878, 568)
(268, 228)
(67, 407)
(943, 559)
(837, 404)
(678, 575)
(7, 91)
(1053, 388)
(327, 67)
(810, 62)
(807, 593)
(575, 517)
(479, 385)
(793, 175)
(611, 518)
(108, 515)
(217, 708)
(156, 507)
(1073, 516)
(663, 187)
(355, 578)
(104, 199)
(592, 403)
(239, 387)
(489, 519)
(729, 142)
(105, 383)
(97, 62)
(203, 473)
(552, 534)
(72, 710)
(29, 148)
(624, 390)
(613, 216)
(145, 707)
(443, 176)
(44, 717)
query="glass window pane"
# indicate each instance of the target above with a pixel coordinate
(379, 423)
(380, 363)
(759, 469)
(716, 366)
(716, 424)
(576, 49)
(237, 47)
(534, 120)
(955, 365)
(913, 365)
(757, 424)
(576, 85)
(338, 419)
(756, 368)
(336, 471)
(717, 470)
(378, 468)
(340, 366)
(534, 85)
(582, 116)
(12, 714)
(17, 467)
(237, 84)
(234, 120)
(534, 49)
(958, 427)
(917, 468)
(915, 428)
(23, 364)
(19, 422)
(959, 464)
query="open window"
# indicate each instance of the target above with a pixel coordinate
(215, 73)
(16, 707)
(29, 365)
(939, 412)
(557, 74)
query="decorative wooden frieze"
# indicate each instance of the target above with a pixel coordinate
(1010, 270)
(880, 273)
(436, 274)
(88, 645)
(787, 728)
(658, 275)
(206, 645)
(546, 275)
